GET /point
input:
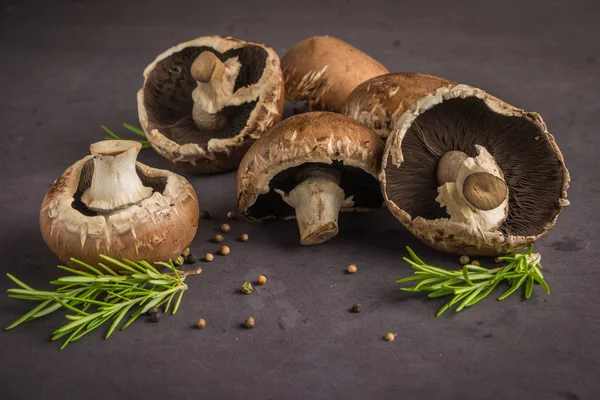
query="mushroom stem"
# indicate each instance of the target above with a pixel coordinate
(115, 182)
(317, 200)
(209, 72)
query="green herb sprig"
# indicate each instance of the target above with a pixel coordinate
(111, 293)
(137, 131)
(473, 283)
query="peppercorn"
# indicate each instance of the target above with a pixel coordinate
(244, 237)
(247, 288)
(231, 215)
(356, 308)
(249, 322)
(218, 238)
(201, 323)
(224, 250)
(154, 318)
(475, 262)
(186, 252)
(352, 269)
(261, 280)
(464, 260)
(225, 227)
(190, 259)
(205, 215)
(179, 261)
(208, 257)
(389, 337)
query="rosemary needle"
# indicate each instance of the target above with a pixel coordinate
(112, 295)
(473, 283)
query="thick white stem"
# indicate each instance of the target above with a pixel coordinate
(317, 200)
(115, 182)
(209, 72)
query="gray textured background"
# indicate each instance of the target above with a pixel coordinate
(67, 68)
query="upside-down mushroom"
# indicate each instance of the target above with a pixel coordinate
(107, 203)
(205, 101)
(323, 71)
(311, 167)
(468, 173)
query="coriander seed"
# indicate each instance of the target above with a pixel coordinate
(179, 261)
(186, 252)
(201, 323)
(356, 308)
(352, 269)
(475, 262)
(224, 250)
(497, 260)
(464, 260)
(247, 288)
(261, 280)
(218, 238)
(209, 257)
(389, 337)
(225, 227)
(244, 237)
(249, 322)
(231, 215)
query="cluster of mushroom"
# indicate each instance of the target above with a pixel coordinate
(464, 171)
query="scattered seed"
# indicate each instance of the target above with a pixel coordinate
(389, 337)
(190, 259)
(209, 257)
(218, 238)
(231, 215)
(205, 215)
(475, 262)
(225, 227)
(244, 237)
(201, 323)
(152, 311)
(352, 269)
(224, 250)
(249, 322)
(464, 260)
(261, 280)
(179, 261)
(247, 288)
(186, 252)
(356, 308)
(154, 318)
(497, 260)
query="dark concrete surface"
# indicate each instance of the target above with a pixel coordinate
(68, 66)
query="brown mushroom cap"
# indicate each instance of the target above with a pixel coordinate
(458, 118)
(380, 101)
(324, 70)
(311, 138)
(158, 228)
(253, 103)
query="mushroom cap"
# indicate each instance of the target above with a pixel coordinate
(165, 103)
(457, 118)
(324, 70)
(310, 138)
(157, 228)
(380, 101)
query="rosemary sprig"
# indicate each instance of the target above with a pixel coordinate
(112, 295)
(473, 283)
(137, 131)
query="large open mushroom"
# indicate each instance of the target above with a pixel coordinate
(323, 71)
(204, 101)
(380, 101)
(107, 203)
(311, 167)
(468, 173)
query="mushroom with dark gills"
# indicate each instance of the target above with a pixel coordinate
(323, 70)
(311, 167)
(468, 173)
(107, 203)
(204, 101)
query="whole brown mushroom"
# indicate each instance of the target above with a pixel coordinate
(310, 167)
(324, 70)
(108, 203)
(205, 101)
(470, 174)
